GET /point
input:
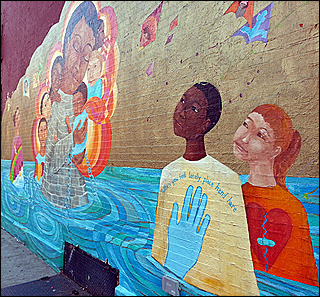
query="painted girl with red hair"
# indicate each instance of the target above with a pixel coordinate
(277, 221)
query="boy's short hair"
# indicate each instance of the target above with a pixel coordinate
(214, 102)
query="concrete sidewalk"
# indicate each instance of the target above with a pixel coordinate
(18, 264)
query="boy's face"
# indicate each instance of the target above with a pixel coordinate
(190, 116)
(94, 70)
(77, 103)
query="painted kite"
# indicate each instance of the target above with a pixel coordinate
(260, 30)
(242, 9)
(149, 27)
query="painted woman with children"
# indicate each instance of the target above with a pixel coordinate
(79, 108)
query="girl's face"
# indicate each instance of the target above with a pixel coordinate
(254, 141)
(43, 133)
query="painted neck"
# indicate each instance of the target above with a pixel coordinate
(195, 149)
(262, 175)
(42, 150)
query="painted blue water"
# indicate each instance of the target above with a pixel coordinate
(118, 225)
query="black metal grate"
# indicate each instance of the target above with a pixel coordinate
(96, 276)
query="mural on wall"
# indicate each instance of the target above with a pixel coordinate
(173, 24)
(196, 220)
(16, 168)
(260, 23)
(278, 224)
(77, 99)
(149, 71)
(197, 112)
(149, 27)
(242, 9)
(39, 130)
(26, 87)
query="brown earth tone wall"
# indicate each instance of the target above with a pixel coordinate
(142, 184)
(283, 71)
(23, 28)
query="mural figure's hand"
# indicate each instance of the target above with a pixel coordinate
(79, 135)
(185, 238)
(68, 124)
(77, 159)
(96, 109)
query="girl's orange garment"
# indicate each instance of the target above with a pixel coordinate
(279, 234)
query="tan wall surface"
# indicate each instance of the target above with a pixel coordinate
(285, 72)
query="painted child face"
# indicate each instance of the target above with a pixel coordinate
(94, 70)
(254, 140)
(17, 120)
(56, 77)
(190, 116)
(43, 132)
(46, 106)
(77, 103)
(77, 55)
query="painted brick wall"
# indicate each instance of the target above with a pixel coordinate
(124, 213)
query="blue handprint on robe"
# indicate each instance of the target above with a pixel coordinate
(186, 236)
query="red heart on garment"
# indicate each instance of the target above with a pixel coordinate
(275, 226)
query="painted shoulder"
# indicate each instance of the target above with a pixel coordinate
(207, 163)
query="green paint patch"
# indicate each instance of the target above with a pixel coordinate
(315, 240)
(313, 220)
(119, 238)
